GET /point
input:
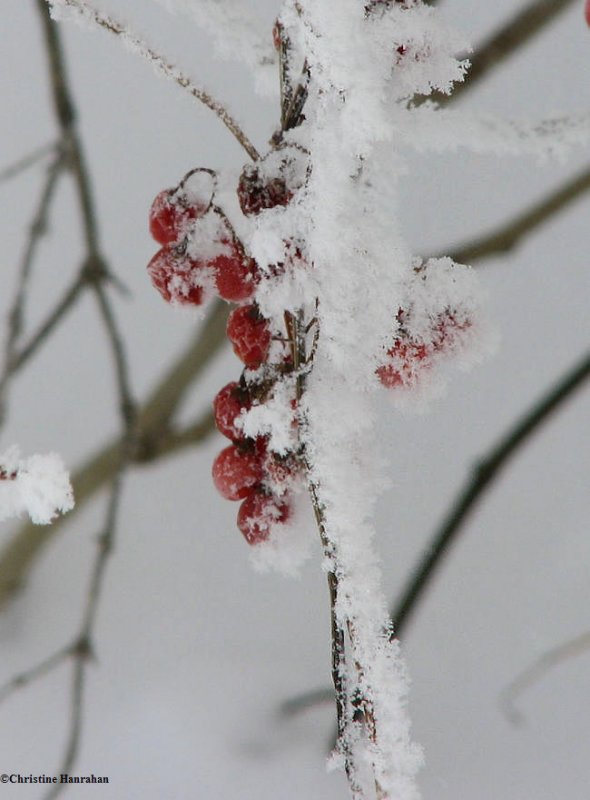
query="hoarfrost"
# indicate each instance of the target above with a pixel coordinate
(38, 485)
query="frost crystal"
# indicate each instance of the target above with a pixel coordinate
(39, 485)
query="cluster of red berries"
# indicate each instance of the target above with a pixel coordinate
(248, 470)
(412, 355)
(200, 252)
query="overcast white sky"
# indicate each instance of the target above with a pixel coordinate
(196, 650)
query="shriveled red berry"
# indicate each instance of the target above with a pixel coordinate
(448, 330)
(227, 407)
(587, 12)
(407, 358)
(257, 193)
(170, 216)
(236, 472)
(235, 273)
(176, 277)
(259, 514)
(249, 334)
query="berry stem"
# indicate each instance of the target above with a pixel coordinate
(89, 14)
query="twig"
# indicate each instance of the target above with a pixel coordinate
(37, 229)
(484, 474)
(504, 42)
(27, 350)
(537, 670)
(27, 161)
(507, 237)
(153, 423)
(94, 271)
(84, 649)
(23, 679)
(92, 15)
(489, 468)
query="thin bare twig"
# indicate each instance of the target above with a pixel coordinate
(94, 271)
(153, 424)
(83, 647)
(23, 679)
(37, 229)
(483, 476)
(95, 17)
(537, 670)
(27, 161)
(46, 328)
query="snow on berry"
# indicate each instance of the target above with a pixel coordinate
(179, 279)
(273, 180)
(236, 471)
(173, 210)
(406, 359)
(249, 334)
(260, 514)
(228, 406)
(235, 273)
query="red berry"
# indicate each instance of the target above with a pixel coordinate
(234, 273)
(258, 515)
(446, 334)
(276, 34)
(236, 472)
(257, 193)
(587, 12)
(249, 334)
(407, 358)
(227, 407)
(170, 217)
(176, 277)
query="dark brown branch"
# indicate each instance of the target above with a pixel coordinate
(510, 37)
(90, 14)
(507, 237)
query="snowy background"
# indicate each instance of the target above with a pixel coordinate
(196, 651)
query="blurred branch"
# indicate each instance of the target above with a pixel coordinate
(537, 670)
(93, 272)
(504, 42)
(507, 237)
(483, 476)
(24, 163)
(23, 679)
(67, 301)
(91, 15)
(82, 647)
(153, 439)
(38, 228)
(485, 473)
